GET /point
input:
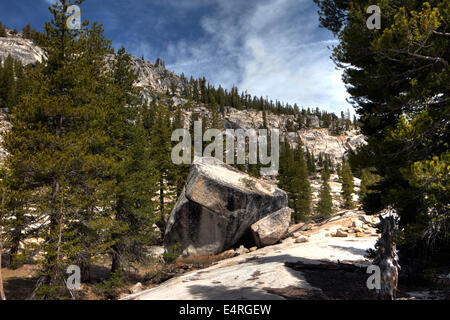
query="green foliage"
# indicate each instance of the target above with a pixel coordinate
(32, 34)
(2, 30)
(132, 167)
(398, 78)
(293, 177)
(110, 287)
(347, 185)
(11, 81)
(172, 253)
(368, 180)
(325, 205)
(79, 154)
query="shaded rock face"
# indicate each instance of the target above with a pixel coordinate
(218, 206)
(270, 229)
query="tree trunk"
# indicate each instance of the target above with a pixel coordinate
(115, 265)
(85, 267)
(2, 292)
(387, 258)
(15, 244)
(161, 196)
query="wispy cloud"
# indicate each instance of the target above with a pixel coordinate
(270, 48)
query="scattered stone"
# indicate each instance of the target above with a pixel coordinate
(365, 219)
(241, 250)
(156, 228)
(297, 235)
(301, 239)
(227, 254)
(138, 287)
(357, 224)
(156, 251)
(340, 234)
(253, 249)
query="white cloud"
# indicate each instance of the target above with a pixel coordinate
(270, 48)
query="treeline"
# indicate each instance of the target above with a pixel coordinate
(2, 30)
(297, 167)
(11, 81)
(34, 35)
(27, 33)
(201, 91)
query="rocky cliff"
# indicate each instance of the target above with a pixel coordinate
(20, 49)
(156, 80)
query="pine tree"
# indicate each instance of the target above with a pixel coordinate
(347, 185)
(158, 126)
(2, 31)
(133, 169)
(302, 209)
(402, 107)
(8, 93)
(293, 178)
(325, 205)
(179, 173)
(57, 142)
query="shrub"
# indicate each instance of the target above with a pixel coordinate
(172, 253)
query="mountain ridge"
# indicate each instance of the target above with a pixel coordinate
(157, 82)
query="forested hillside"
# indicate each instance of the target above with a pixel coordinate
(87, 179)
(87, 171)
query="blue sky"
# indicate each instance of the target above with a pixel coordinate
(271, 48)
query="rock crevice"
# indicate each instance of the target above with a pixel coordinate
(217, 207)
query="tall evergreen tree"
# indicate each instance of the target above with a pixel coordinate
(133, 170)
(325, 204)
(58, 137)
(293, 178)
(347, 185)
(157, 122)
(398, 81)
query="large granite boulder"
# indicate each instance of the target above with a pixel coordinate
(270, 229)
(218, 206)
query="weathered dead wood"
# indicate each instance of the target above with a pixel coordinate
(2, 292)
(330, 266)
(387, 257)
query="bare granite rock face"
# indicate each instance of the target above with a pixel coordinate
(155, 78)
(270, 229)
(218, 206)
(20, 49)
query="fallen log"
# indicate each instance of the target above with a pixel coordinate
(328, 265)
